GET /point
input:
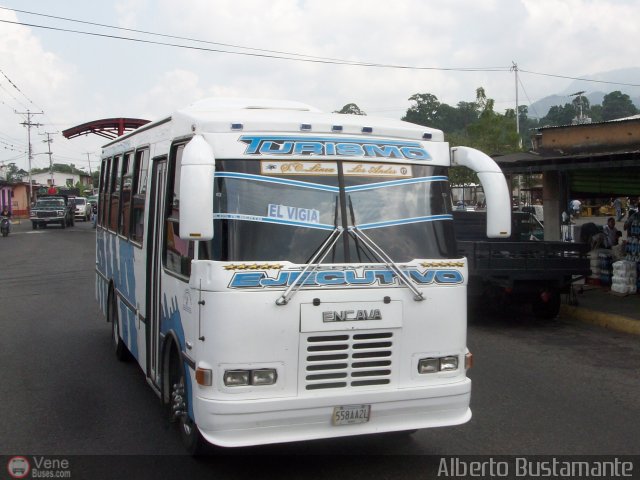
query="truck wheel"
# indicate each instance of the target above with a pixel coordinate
(34, 225)
(547, 305)
(119, 347)
(191, 437)
(63, 223)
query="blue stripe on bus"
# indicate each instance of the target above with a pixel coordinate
(394, 183)
(258, 218)
(404, 221)
(282, 181)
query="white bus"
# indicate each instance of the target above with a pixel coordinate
(281, 274)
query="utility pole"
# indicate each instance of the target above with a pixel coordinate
(514, 68)
(89, 160)
(29, 124)
(49, 141)
(91, 174)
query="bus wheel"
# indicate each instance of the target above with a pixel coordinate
(118, 345)
(191, 437)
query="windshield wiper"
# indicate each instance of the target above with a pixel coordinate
(315, 261)
(377, 250)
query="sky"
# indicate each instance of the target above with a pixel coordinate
(447, 48)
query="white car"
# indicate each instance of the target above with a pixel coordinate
(82, 208)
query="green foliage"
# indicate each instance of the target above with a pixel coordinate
(14, 174)
(60, 168)
(95, 178)
(617, 105)
(351, 109)
(474, 124)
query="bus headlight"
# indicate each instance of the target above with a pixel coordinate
(264, 376)
(448, 363)
(236, 378)
(428, 365)
(438, 364)
(259, 377)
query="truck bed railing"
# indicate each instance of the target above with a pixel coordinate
(501, 257)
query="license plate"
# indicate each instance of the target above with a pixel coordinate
(350, 414)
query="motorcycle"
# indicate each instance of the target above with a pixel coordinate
(5, 226)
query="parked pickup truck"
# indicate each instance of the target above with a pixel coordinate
(521, 268)
(52, 209)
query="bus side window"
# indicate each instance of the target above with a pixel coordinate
(104, 180)
(125, 197)
(139, 193)
(114, 193)
(178, 253)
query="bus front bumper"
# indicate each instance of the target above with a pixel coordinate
(257, 422)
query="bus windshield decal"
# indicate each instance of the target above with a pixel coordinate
(348, 277)
(331, 146)
(404, 221)
(282, 181)
(298, 214)
(281, 221)
(394, 183)
(288, 167)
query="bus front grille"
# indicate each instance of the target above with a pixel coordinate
(342, 360)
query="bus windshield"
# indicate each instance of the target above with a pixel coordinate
(284, 211)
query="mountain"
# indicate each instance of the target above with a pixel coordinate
(594, 91)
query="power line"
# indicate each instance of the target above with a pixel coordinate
(277, 52)
(580, 78)
(16, 87)
(262, 55)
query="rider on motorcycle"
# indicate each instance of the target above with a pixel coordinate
(6, 213)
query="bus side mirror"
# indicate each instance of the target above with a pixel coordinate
(496, 190)
(196, 190)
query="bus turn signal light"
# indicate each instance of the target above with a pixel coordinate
(204, 377)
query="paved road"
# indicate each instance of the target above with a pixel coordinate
(556, 387)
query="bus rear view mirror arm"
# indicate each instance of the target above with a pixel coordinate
(494, 185)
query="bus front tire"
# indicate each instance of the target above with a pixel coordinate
(119, 347)
(191, 437)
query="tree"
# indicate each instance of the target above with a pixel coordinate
(617, 105)
(493, 133)
(425, 110)
(559, 115)
(14, 174)
(351, 109)
(526, 125)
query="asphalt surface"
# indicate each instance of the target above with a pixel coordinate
(539, 388)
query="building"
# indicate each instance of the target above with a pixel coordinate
(594, 161)
(60, 179)
(15, 196)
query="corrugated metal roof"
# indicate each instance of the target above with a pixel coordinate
(632, 118)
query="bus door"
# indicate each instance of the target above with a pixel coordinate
(154, 266)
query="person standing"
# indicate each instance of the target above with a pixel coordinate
(617, 205)
(610, 232)
(575, 206)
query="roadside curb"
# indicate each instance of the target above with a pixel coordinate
(611, 321)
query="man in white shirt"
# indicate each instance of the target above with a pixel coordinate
(575, 208)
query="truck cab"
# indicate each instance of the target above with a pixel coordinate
(52, 209)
